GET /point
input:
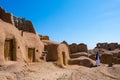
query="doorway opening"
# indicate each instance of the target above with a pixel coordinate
(63, 57)
(31, 54)
(9, 50)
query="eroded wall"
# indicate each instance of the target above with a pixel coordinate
(7, 17)
(23, 37)
(108, 46)
(74, 48)
(20, 23)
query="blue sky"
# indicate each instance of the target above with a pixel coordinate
(79, 21)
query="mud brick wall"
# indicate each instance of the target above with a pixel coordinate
(7, 17)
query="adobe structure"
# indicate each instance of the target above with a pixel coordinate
(20, 42)
(44, 37)
(82, 47)
(109, 55)
(56, 52)
(108, 46)
(74, 48)
(18, 39)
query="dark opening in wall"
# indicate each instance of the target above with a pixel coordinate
(63, 56)
(110, 49)
(31, 54)
(9, 50)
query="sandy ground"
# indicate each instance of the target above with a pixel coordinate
(50, 71)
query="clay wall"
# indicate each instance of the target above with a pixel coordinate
(20, 23)
(15, 47)
(82, 48)
(57, 52)
(7, 17)
(73, 48)
(108, 46)
(24, 25)
(44, 37)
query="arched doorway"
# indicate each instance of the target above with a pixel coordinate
(9, 50)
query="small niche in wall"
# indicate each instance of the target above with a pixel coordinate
(18, 47)
(37, 50)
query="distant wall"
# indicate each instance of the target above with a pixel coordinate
(108, 46)
(44, 37)
(74, 48)
(82, 48)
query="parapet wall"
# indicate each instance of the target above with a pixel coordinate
(20, 23)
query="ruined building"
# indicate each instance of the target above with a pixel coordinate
(108, 46)
(74, 48)
(56, 52)
(18, 39)
(20, 42)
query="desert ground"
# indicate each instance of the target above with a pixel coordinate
(50, 71)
